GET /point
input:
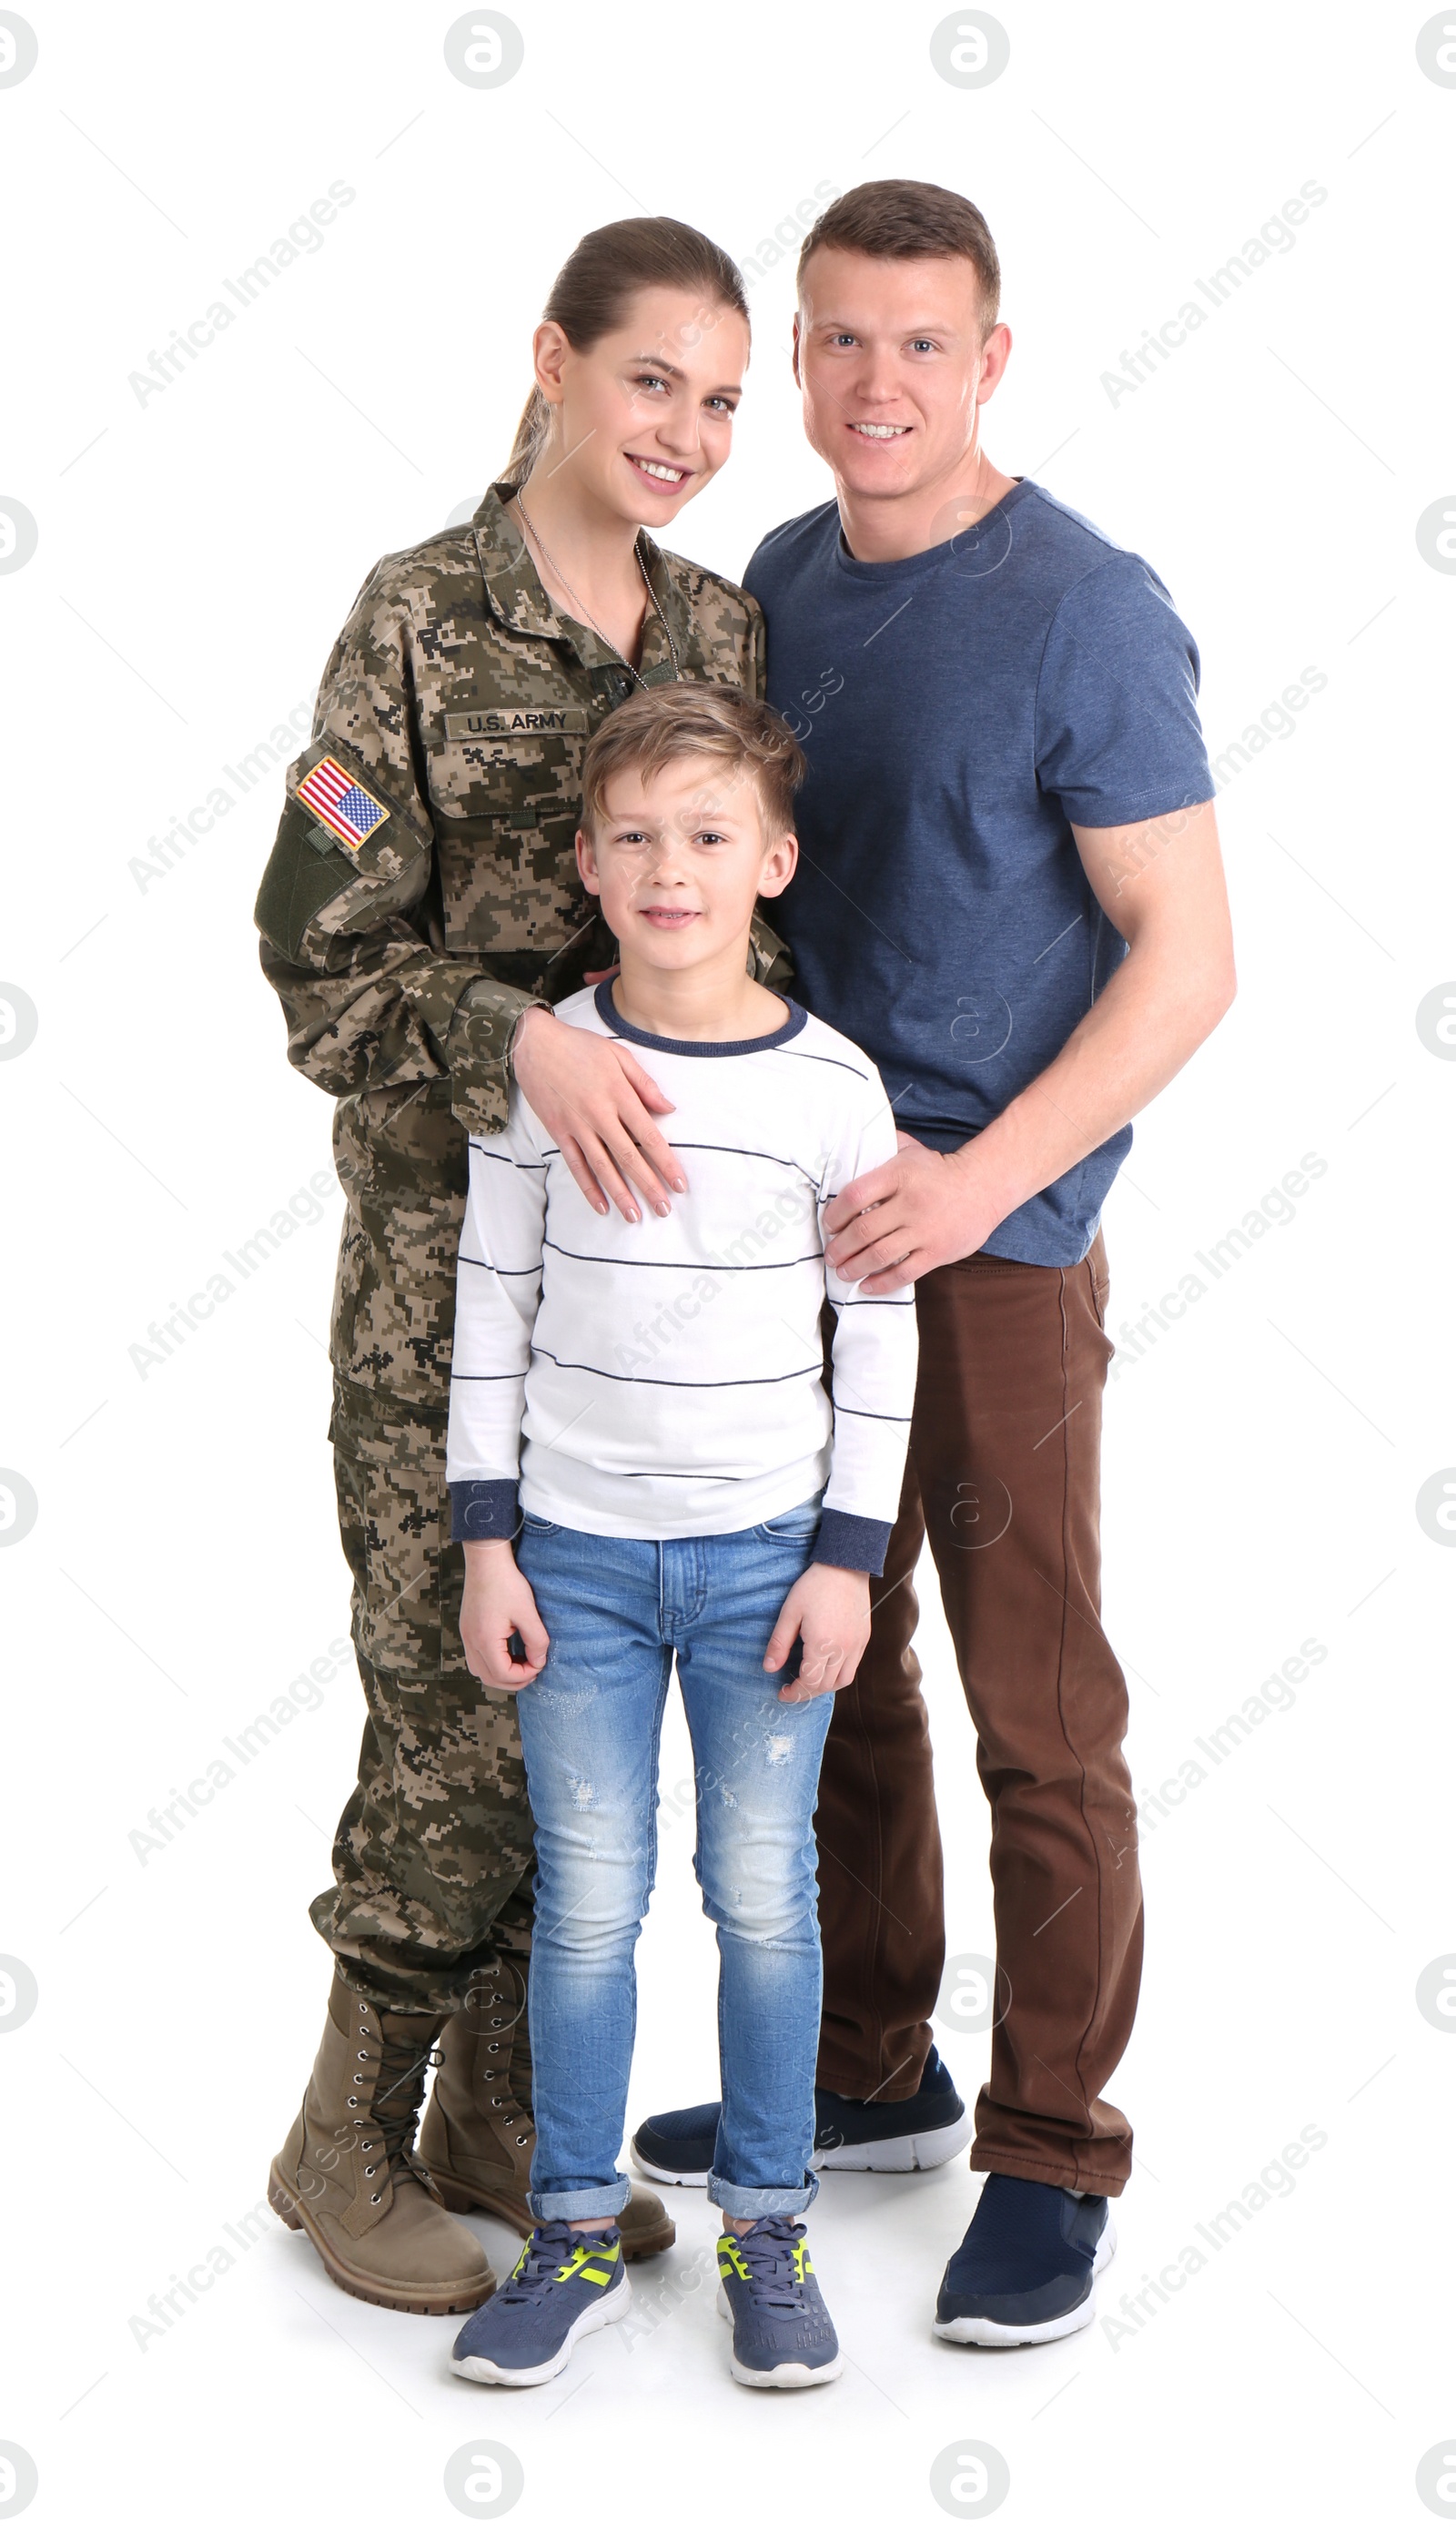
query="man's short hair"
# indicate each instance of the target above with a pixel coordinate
(899, 220)
(664, 723)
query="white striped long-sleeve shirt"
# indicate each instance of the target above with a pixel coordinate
(663, 1378)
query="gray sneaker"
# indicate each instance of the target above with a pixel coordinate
(783, 2338)
(563, 2286)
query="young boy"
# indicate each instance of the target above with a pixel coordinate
(685, 1489)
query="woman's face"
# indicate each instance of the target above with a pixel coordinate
(645, 418)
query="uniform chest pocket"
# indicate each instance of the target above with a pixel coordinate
(490, 761)
(509, 881)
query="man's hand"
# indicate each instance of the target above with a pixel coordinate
(595, 1101)
(830, 1609)
(920, 1210)
(498, 1602)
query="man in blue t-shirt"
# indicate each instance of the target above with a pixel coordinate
(1010, 895)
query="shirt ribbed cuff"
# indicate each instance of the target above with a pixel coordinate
(859, 1546)
(484, 1507)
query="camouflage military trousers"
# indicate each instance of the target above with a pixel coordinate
(433, 1858)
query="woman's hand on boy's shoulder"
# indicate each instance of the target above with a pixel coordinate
(829, 1607)
(499, 1604)
(596, 1102)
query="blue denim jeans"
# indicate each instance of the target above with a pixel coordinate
(617, 1610)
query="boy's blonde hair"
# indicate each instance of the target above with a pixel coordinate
(663, 724)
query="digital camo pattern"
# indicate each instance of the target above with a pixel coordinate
(461, 702)
(433, 1856)
(402, 1165)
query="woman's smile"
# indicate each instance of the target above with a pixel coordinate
(657, 471)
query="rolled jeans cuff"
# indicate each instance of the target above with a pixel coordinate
(753, 2203)
(573, 2205)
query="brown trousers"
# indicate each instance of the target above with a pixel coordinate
(1002, 1478)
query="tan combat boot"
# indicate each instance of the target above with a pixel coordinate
(348, 2176)
(477, 2139)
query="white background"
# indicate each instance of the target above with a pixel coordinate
(197, 553)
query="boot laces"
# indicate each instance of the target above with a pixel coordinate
(491, 1996)
(399, 2090)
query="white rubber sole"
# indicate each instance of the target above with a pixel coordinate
(784, 2376)
(897, 2153)
(1037, 2333)
(597, 2315)
(668, 2178)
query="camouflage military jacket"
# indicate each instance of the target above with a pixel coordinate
(422, 889)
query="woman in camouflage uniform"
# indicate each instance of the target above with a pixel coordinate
(421, 912)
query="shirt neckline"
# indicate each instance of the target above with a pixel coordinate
(606, 1010)
(950, 548)
(519, 598)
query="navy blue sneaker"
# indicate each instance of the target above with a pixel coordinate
(849, 2135)
(783, 2338)
(1024, 2272)
(563, 2286)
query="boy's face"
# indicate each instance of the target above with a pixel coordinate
(677, 860)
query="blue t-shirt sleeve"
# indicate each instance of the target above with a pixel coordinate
(1117, 731)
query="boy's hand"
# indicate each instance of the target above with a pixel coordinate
(498, 1602)
(830, 1609)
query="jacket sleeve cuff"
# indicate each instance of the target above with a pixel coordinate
(844, 1538)
(476, 1048)
(484, 1507)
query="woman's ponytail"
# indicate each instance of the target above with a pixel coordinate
(532, 430)
(596, 286)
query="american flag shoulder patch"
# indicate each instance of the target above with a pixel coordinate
(342, 805)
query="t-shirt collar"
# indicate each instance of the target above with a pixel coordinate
(607, 1011)
(974, 546)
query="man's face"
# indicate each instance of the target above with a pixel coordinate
(679, 860)
(893, 369)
